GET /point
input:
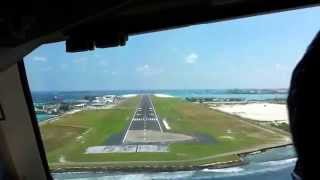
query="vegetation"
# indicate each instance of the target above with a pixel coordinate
(284, 126)
(67, 138)
(230, 133)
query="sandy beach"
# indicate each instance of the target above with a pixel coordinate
(256, 111)
(163, 95)
(129, 95)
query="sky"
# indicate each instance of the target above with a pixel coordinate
(254, 52)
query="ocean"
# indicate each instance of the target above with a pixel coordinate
(43, 117)
(273, 164)
(247, 94)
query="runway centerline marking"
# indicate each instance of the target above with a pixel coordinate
(145, 118)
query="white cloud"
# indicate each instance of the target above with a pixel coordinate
(39, 59)
(148, 70)
(143, 68)
(113, 73)
(191, 58)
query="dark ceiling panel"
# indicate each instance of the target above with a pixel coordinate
(39, 18)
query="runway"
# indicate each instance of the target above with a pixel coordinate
(144, 133)
(144, 119)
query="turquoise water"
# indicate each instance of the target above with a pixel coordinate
(275, 164)
(68, 96)
(247, 94)
(43, 117)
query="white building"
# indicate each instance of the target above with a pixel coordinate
(103, 100)
(109, 98)
(81, 106)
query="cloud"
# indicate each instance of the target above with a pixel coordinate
(113, 73)
(39, 58)
(147, 70)
(143, 68)
(191, 58)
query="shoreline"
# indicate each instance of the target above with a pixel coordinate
(49, 120)
(160, 166)
(170, 168)
(152, 168)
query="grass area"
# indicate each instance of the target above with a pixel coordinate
(230, 132)
(143, 164)
(67, 138)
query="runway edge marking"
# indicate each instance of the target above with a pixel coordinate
(125, 136)
(157, 117)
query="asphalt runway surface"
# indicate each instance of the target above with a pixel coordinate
(145, 117)
(145, 130)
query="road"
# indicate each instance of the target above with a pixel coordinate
(145, 118)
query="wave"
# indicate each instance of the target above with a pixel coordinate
(124, 176)
(225, 170)
(173, 175)
(244, 171)
(250, 170)
(255, 168)
(280, 162)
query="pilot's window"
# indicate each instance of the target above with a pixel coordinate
(196, 102)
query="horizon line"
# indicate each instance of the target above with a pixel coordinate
(160, 89)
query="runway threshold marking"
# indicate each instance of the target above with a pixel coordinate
(145, 118)
(125, 136)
